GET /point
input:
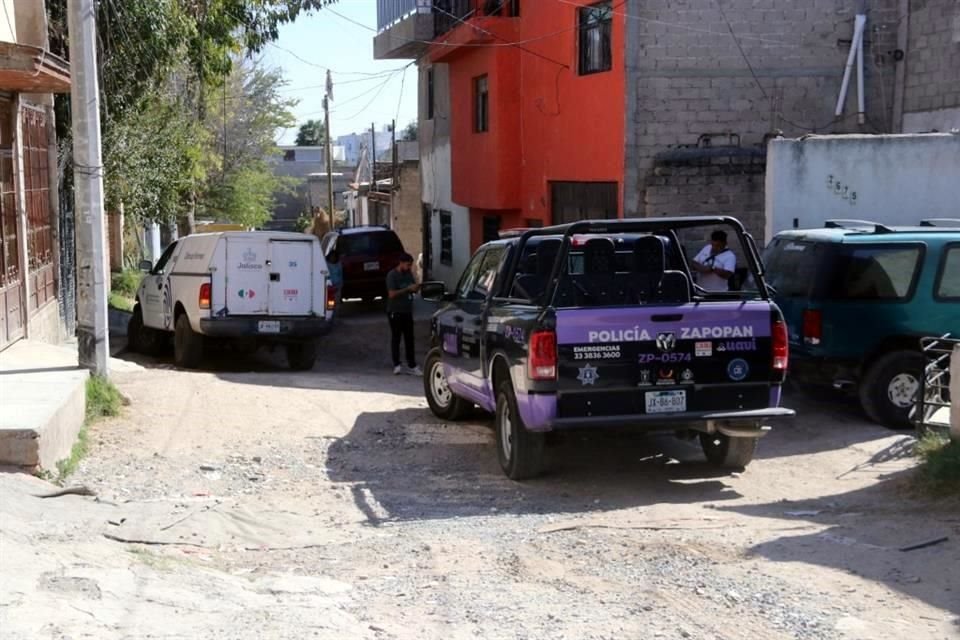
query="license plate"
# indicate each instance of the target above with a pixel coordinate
(268, 326)
(666, 401)
(371, 266)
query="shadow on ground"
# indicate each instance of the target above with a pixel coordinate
(407, 465)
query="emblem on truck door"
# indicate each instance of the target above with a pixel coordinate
(738, 370)
(588, 375)
(666, 341)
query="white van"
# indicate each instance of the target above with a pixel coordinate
(259, 286)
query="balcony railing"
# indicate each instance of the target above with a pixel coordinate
(390, 12)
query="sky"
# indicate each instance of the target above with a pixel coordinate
(325, 40)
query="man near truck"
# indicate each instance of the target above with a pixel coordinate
(401, 285)
(715, 263)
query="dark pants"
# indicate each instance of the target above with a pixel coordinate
(401, 324)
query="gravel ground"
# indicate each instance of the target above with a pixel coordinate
(372, 519)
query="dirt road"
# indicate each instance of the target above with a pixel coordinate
(251, 502)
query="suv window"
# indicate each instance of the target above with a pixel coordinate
(948, 282)
(371, 244)
(875, 273)
(469, 277)
(791, 266)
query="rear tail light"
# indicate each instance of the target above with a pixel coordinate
(203, 300)
(780, 345)
(812, 326)
(331, 297)
(542, 362)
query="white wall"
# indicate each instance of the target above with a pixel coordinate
(437, 192)
(898, 179)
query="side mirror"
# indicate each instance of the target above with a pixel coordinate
(146, 266)
(433, 291)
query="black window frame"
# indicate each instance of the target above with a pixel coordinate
(481, 104)
(446, 237)
(587, 24)
(941, 272)
(921, 247)
(430, 93)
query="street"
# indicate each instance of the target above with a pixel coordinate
(246, 501)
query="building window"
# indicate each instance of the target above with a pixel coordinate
(446, 238)
(481, 105)
(596, 24)
(573, 201)
(430, 94)
(491, 228)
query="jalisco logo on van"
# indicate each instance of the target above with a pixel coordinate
(637, 334)
(248, 261)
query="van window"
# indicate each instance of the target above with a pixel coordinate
(875, 273)
(369, 244)
(791, 266)
(948, 284)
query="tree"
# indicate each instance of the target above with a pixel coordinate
(312, 133)
(410, 132)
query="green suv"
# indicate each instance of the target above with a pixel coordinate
(857, 296)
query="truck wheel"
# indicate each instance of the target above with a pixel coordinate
(302, 355)
(520, 451)
(727, 452)
(135, 330)
(889, 389)
(443, 402)
(187, 344)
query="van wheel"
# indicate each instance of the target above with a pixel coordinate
(135, 330)
(729, 453)
(889, 389)
(302, 355)
(187, 344)
(444, 403)
(519, 451)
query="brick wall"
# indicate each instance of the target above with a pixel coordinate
(687, 77)
(407, 210)
(932, 78)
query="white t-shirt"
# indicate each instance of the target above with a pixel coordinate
(726, 260)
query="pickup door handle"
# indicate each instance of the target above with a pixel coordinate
(668, 317)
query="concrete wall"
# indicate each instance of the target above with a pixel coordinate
(406, 210)
(686, 77)
(932, 73)
(892, 179)
(31, 21)
(8, 21)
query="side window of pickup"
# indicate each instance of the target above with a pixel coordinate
(487, 275)
(164, 262)
(469, 278)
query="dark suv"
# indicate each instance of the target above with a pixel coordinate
(857, 297)
(367, 255)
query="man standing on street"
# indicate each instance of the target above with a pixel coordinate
(715, 263)
(401, 285)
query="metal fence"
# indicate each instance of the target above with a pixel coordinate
(391, 11)
(933, 402)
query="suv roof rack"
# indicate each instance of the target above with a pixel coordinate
(940, 222)
(863, 225)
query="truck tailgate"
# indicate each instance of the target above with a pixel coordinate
(664, 360)
(247, 279)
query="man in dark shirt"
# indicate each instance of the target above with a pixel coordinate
(401, 285)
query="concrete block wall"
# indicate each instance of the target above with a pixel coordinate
(686, 76)
(407, 209)
(932, 78)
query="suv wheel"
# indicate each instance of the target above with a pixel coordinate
(520, 451)
(187, 344)
(888, 391)
(727, 452)
(443, 402)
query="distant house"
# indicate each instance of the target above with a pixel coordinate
(304, 164)
(354, 143)
(36, 263)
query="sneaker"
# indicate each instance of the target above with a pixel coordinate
(397, 370)
(415, 371)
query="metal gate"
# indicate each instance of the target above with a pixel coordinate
(932, 412)
(12, 313)
(574, 201)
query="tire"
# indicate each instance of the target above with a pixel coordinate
(888, 391)
(519, 451)
(135, 330)
(187, 344)
(443, 402)
(726, 452)
(302, 355)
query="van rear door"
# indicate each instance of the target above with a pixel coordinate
(291, 277)
(248, 275)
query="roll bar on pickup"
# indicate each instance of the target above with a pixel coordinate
(642, 225)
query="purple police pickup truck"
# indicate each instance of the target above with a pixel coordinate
(601, 324)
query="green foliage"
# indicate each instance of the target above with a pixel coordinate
(941, 462)
(126, 282)
(410, 132)
(103, 399)
(312, 133)
(119, 301)
(67, 466)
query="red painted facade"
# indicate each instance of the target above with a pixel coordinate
(546, 121)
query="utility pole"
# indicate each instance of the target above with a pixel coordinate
(373, 156)
(326, 130)
(93, 338)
